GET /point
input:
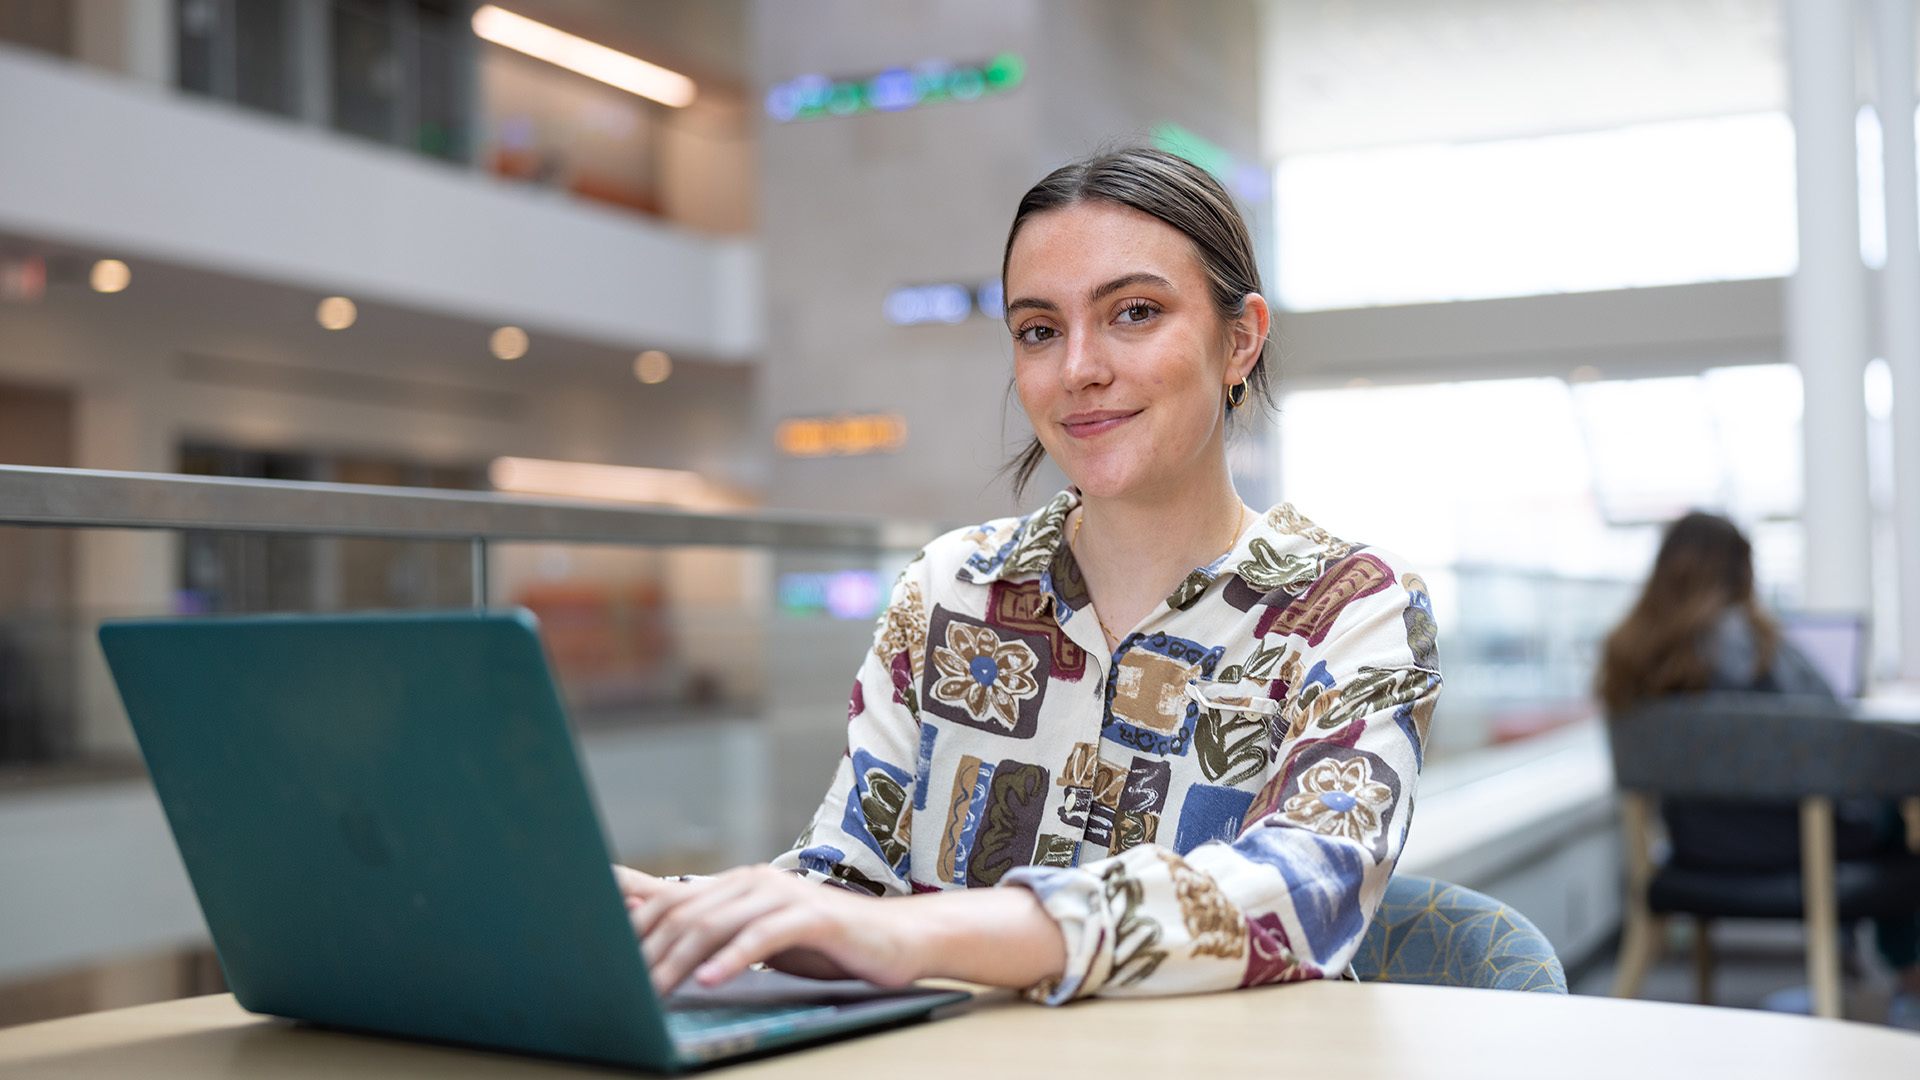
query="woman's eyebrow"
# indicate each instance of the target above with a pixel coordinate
(1138, 277)
(1033, 302)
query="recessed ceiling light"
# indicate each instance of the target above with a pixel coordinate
(110, 276)
(508, 343)
(652, 367)
(336, 313)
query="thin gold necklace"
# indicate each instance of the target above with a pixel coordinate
(1073, 543)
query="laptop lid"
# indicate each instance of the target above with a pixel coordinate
(1836, 644)
(388, 829)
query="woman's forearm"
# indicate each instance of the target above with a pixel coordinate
(996, 937)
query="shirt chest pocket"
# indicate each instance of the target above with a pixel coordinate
(1236, 731)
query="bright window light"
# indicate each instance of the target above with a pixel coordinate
(1606, 463)
(1873, 184)
(583, 57)
(1756, 414)
(1651, 204)
(1726, 439)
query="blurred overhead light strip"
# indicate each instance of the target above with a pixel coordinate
(609, 483)
(577, 54)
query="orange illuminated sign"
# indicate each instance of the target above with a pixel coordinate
(822, 436)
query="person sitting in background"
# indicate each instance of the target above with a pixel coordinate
(1698, 626)
(1144, 740)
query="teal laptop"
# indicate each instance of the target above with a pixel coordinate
(387, 825)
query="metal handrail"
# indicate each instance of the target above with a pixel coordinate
(90, 498)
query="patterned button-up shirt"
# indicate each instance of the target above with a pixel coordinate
(1217, 802)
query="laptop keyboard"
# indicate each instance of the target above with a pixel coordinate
(709, 1022)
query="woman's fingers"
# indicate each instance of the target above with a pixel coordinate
(634, 884)
(659, 922)
(699, 934)
(714, 929)
(773, 932)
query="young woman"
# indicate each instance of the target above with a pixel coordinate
(1699, 626)
(1144, 740)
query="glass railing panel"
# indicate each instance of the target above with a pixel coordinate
(1518, 649)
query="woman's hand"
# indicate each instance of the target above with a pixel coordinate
(714, 928)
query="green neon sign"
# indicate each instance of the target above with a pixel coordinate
(810, 97)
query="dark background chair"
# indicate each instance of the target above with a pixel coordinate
(1761, 750)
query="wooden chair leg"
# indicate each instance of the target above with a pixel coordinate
(1822, 916)
(1703, 960)
(1643, 934)
(1640, 946)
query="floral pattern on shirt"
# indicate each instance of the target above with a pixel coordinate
(986, 675)
(1218, 802)
(1339, 798)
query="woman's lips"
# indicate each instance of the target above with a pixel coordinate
(1086, 427)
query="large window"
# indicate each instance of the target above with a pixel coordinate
(1547, 475)
(1651, 204)
(1533, 507)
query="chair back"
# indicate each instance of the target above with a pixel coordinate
(1437, 934)
(1778, 747)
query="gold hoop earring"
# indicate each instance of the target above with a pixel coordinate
(1237, 395)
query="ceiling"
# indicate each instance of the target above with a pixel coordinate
(209, 313)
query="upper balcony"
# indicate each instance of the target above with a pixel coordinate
(391, 155)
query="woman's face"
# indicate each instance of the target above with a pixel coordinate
(1119, 357)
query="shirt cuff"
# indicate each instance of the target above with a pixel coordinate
(1073, 898)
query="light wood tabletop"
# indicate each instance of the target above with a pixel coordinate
(1328, 1029)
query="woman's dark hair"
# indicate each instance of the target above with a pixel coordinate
(1705, 567)
(1178, 192)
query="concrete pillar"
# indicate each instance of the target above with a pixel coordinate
(1900, 301)
(1826, 331)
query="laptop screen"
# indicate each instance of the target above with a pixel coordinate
(1837, 646)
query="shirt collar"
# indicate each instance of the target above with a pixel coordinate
(1021, 548)
(1282, 550)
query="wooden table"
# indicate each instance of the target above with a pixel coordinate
(1332, 1029)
